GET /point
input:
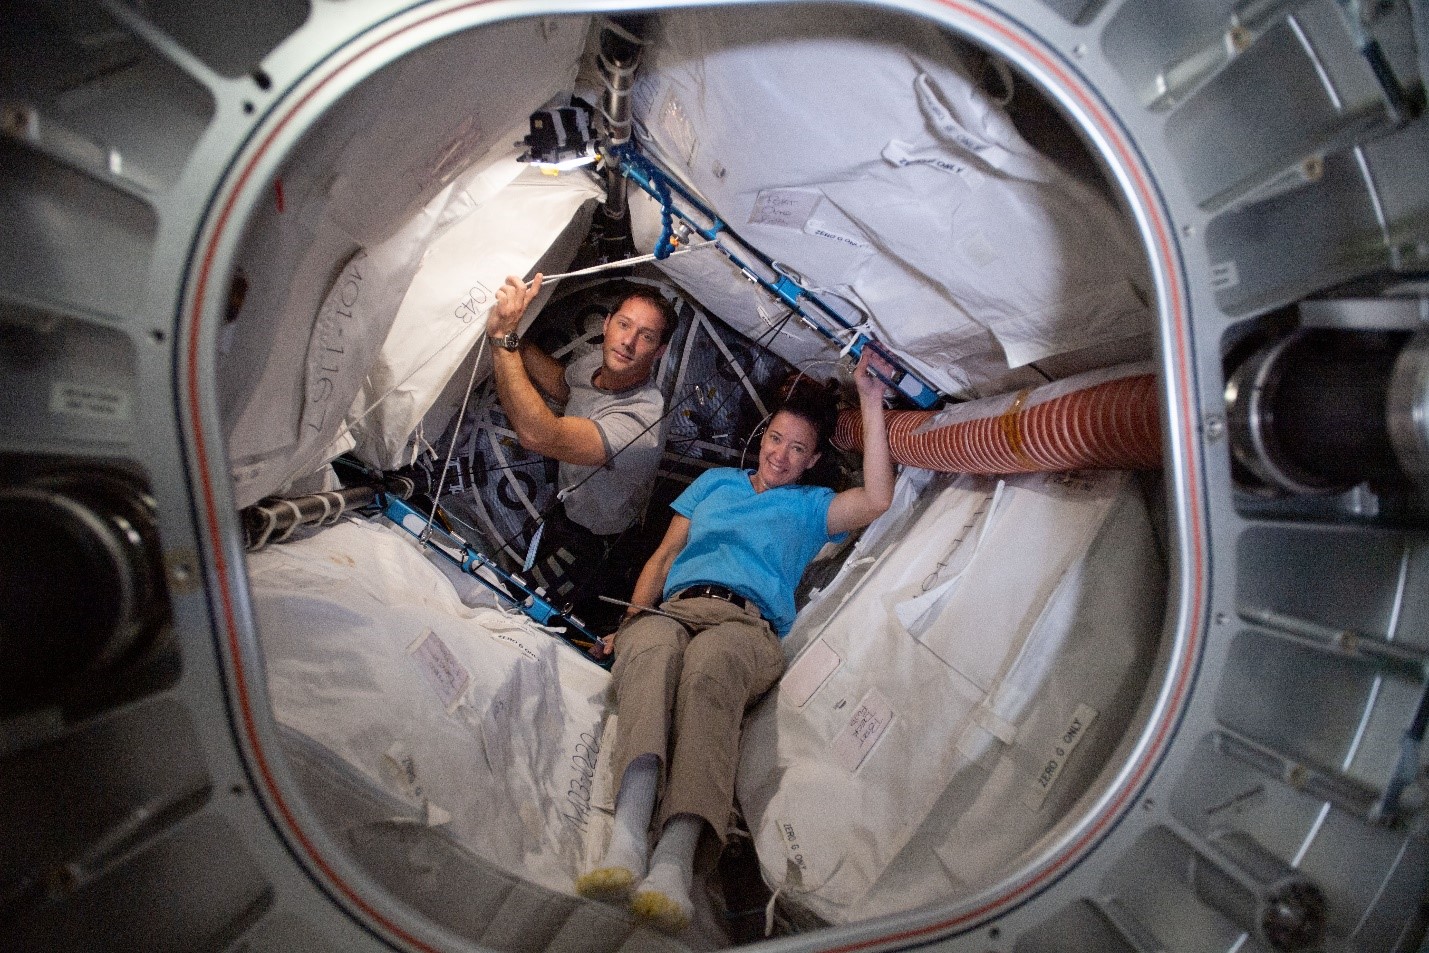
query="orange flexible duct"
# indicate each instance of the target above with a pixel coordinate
(1115, 425)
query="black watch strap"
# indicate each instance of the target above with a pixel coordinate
(509, 342)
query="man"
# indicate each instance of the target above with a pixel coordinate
(608, 441)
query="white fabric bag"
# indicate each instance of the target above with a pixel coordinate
(445, 308)
(905, 752)
(915, 194)
(489, 725)
(364, 192)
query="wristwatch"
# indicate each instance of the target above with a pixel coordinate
(509, 342)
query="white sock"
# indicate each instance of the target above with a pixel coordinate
(672, 866)
(634, 805)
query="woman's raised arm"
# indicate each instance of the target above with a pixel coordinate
(861, 505)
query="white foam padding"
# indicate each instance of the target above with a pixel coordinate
(858, 152)
(487, 724)
(911, 749)
(444, 311)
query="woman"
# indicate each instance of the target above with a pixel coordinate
(726, 569)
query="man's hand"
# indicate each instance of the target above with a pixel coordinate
(512, 298)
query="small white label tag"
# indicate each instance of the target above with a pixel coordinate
(91, 401)
(447, 676)
(512, 640)
(822, 232)
(867, 724)
(796, 865)
(1061, 750)
(946, 125)
(784, 208)
(903, 155)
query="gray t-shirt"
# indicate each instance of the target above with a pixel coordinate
(610, 500)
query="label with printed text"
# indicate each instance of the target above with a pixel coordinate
(784, 208)
(447, 676)
(865, 726)
(1061, 750)
(92, 401)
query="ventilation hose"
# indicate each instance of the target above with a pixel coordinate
(1108, 425)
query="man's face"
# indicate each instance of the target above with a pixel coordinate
(632, 343)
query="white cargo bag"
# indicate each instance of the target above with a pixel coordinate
(953, 698)
(486, 724)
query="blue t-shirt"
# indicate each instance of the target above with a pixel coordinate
(757, 544)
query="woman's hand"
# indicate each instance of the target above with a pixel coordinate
(512, 299)
(605, 645)
(868, 383)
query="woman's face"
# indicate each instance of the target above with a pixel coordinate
(787, 450)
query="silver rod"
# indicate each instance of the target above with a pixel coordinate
(622, 263)
(631, 605)
(1404, 660)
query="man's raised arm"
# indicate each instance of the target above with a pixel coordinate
(520, 369)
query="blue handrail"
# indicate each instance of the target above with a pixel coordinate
(509, 588)
(660, 185)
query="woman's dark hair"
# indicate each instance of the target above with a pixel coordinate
(816, 403)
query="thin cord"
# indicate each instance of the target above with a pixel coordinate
(761, 342)
(441, 481)
(347, 427)
(567, 491)
(622, 263)
(691, 391)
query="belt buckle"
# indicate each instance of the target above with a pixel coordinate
(709, 591)
(728, 595)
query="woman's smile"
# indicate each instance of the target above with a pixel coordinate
(786, 450)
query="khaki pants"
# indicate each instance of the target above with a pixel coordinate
(686, 696)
